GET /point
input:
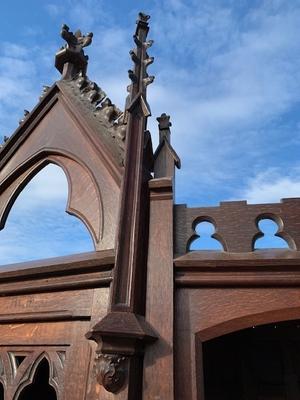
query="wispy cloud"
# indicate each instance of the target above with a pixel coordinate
(271, 186)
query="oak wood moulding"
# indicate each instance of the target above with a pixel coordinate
(93, 269)
(274, 267)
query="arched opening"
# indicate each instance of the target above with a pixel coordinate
(269, 236)
(258, 363)
(205, 238)
(38, 226)
(39, 388)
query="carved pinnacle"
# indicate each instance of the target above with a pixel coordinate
(164, 125)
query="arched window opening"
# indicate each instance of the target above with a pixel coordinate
(40, 387)
(269, 238)
(205, 239)
(38, 226)
(258, 363)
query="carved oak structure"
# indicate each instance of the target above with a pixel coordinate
(141, 317)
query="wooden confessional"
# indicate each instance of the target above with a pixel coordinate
(142, 316)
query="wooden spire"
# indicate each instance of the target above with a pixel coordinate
(124, 331)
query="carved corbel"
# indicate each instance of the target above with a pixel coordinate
(111, 371)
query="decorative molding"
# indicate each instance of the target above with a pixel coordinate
(111, 371)
(84, 270)
(262, 268)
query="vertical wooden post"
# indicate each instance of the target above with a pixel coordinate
(158, 362)
(123, 333)
(159, 358)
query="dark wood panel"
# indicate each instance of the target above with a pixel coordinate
(73, 303)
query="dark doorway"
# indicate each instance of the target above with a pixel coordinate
(260, 363)
(40, 388)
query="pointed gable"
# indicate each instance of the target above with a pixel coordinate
(76, 126)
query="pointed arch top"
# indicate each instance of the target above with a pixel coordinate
(33, 371)
(101, 122)
(78, 128)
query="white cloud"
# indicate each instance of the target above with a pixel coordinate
(271, 186)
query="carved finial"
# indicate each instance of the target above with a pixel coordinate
(164, 125)
(139, 76)
(142, 17)
(70, 59)
(165, 156)
(75, 41)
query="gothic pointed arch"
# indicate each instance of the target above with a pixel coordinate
(40, 382)
(82, 190)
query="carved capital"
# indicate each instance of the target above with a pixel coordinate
(111, 371)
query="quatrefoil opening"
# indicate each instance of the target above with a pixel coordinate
(205, 237)
(271, 234)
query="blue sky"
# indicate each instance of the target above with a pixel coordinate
(228, 73)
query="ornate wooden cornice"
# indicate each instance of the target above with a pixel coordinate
(124, 331)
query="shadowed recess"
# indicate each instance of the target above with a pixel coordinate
(38, 226)
(205, 238)
(258, 363)
(39, 388)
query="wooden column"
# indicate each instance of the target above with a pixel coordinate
(158, 364)
(159, 358)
